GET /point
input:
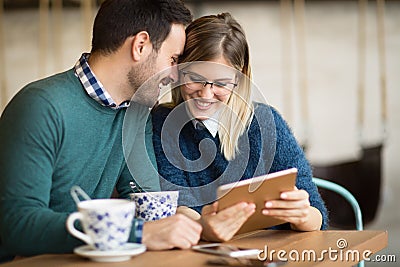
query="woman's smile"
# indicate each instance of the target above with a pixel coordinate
(203, 104)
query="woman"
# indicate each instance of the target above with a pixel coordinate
(224, 137)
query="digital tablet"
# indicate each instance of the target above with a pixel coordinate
(257, 190)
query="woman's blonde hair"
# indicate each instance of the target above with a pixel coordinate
(212, 37)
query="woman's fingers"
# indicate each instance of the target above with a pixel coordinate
(286, 212)
(294, 195)
(296, 199)
(293, 207)
(284, 204)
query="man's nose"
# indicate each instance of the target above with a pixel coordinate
(174, 75)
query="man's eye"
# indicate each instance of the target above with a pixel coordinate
(174, 60)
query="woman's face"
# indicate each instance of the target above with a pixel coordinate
(207, 86)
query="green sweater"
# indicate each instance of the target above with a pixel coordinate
(54, 136)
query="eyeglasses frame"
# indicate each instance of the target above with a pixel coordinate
(205, 82)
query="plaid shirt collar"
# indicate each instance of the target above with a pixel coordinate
(94, 87)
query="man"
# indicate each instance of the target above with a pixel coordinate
(66, 130)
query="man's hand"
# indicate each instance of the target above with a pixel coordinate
(188, 212)
(176, 231)
(222, 226)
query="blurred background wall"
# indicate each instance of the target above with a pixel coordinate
(306, 63)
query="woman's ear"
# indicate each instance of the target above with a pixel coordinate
(141, 45)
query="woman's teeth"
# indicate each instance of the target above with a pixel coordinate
(203, 104)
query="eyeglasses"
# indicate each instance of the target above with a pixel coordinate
(197, 82)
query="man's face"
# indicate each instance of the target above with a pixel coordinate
(169, 52)
(164, 61)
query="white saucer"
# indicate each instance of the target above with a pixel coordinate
(123, 254)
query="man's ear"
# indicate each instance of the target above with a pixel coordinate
(141, 45)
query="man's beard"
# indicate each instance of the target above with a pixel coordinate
(143, 82)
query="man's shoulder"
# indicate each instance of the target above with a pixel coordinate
(52, 90)
(52, 85)
(44, 96)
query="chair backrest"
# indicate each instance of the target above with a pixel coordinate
(346, 195)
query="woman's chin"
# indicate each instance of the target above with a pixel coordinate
(201, 117)
(203, 114)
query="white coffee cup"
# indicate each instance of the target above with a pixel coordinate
(106, 223)
(151, 206)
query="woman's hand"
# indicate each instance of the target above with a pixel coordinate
(294, 207)
(223, 225)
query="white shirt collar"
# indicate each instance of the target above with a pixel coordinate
(211, 124)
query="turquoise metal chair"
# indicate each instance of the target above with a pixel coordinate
(346, 195)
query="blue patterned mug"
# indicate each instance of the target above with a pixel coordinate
(106, 223)
(151, 206)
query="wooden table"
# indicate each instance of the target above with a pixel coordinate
(289, 242)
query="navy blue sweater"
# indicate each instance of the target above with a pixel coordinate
(197, 167)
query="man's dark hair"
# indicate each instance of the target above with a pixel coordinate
(118, 20)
